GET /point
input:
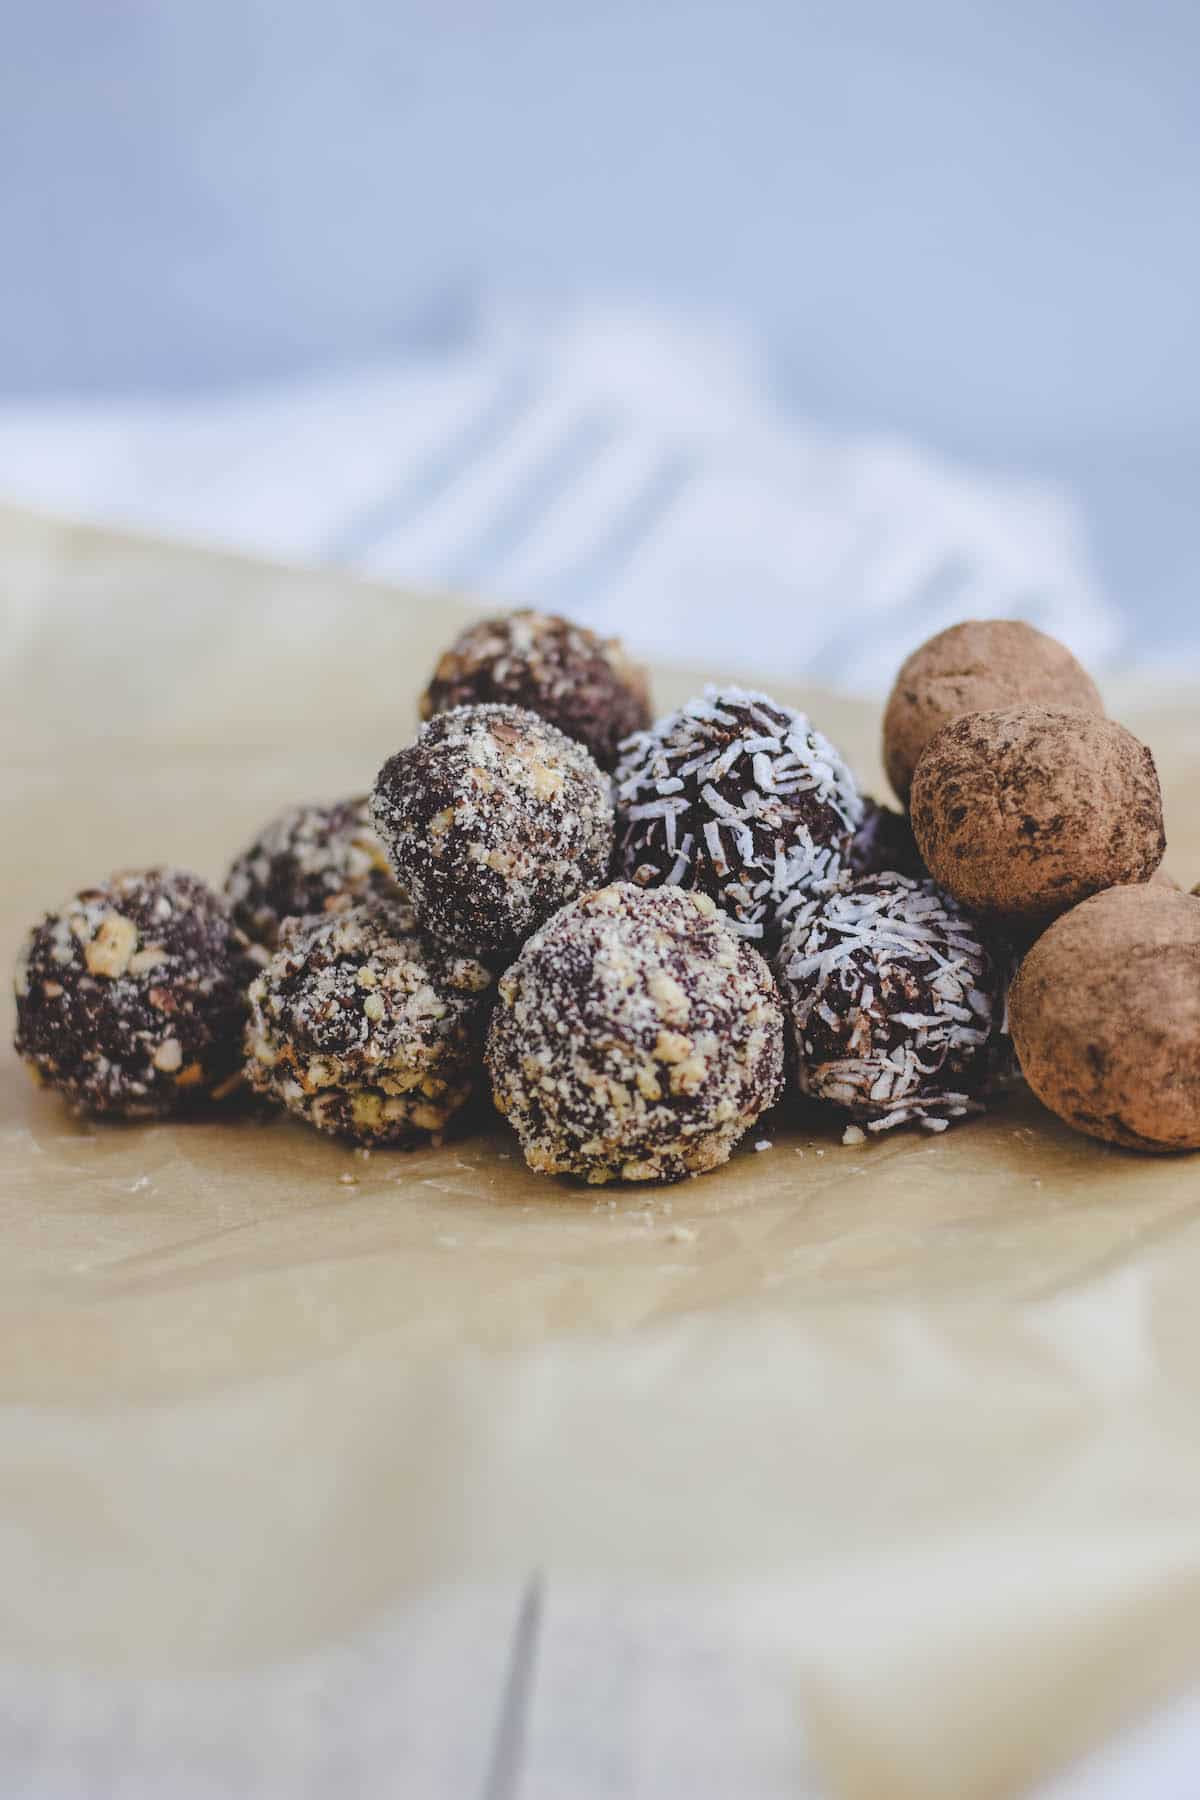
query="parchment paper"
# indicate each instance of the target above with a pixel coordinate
(937, 1397)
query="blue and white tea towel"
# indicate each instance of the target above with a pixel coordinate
(611, 461)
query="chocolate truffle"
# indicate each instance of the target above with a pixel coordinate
(884, 844)
(895, 1002)
(636, 1038)
(1105, 1016)
(309, 859)
(982, 665)
(365, 1028)
(493, 819)
(131, 996)
(1024, 813)
(582, 683)
(739, 797)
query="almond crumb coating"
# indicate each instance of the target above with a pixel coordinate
(493, 819)
(131, 996)
(308, 859)
(896, 1002)
(584, 684)
(363, 1027)
(636, 1038)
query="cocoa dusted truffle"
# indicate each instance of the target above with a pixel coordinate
(739, 797)
(131, 996)
(982, 665)
(884, 844)
(584, 684)
(1024, 813)
(1105, 1016)
(309, 859)
(365, 1028)
(895, 1001)
(636, 1038)
(493, 819)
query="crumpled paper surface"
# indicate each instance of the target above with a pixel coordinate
(937, 1397)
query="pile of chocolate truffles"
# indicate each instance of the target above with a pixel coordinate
(640, 933)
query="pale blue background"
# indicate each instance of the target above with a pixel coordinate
(972, 222)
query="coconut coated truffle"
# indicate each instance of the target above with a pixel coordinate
(131, 996)
(982, 665)
(739, 797)
(1105, 1016)
(1024, 813)
(635, 1038)
(364, 1027)
(309, 859)
(493, 819)
(895, 1002)
(584, 684)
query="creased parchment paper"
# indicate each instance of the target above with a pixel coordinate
(937, 1397)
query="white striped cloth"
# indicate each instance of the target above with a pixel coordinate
(617, 463)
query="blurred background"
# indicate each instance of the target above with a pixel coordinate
(772, 333)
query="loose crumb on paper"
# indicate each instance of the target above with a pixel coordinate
(764, 1144)
(854, 1134)
(348, 1180)
(681, 1234)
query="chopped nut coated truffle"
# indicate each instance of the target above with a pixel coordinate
(1105, 1016)
(582, 683)
(309, 859)
(895, 1002)
(1024, 813)
(740, 797)
(493, 819)
(982, 665)
(636, 1038)
(131, 997)
(363, 1027)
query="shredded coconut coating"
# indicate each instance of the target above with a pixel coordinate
(309, 859)
(131, 996)
(896, 1002)
(584, 684)
(636, 1038)
(493, 819)
(740, 797)
(364, 1028)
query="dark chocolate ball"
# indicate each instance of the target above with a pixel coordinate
(980, 665)
(896, 1002)
(884, 844)
(1106, 1018)
(740, 797)
(493, 819)
(131, 997)
(364, 1027)
(1023, 813)
(636, 1038)
(584, 684)
(309, 859)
